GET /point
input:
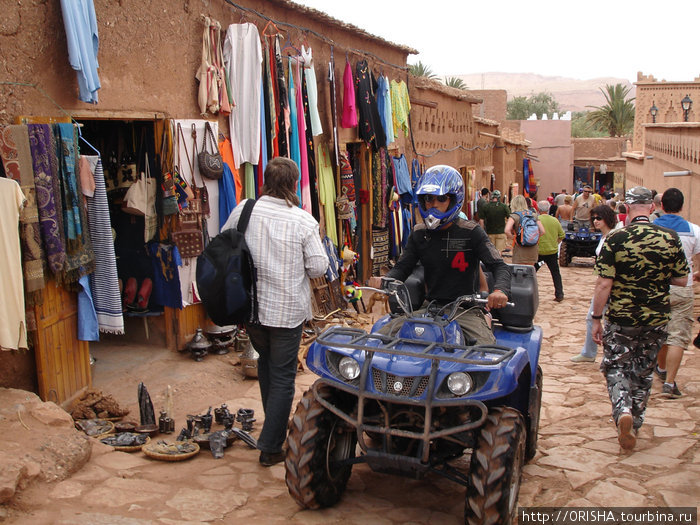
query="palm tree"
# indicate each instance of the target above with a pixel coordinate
(617, 115)
(455, 82)
(421, 70)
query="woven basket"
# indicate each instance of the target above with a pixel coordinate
(150, 450)
(109, 426)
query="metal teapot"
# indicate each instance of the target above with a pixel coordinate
(249, 361)
(199, 345)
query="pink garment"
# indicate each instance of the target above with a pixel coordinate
(303, 151)
(349, 118)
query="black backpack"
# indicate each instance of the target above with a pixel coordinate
(226, 276)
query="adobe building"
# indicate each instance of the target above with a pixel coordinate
(148, 56)
(665, 151)
(602, 157)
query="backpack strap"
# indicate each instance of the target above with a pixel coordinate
(245, 215)
(241, 227)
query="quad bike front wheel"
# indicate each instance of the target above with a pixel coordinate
(496, 468)
(317, 441)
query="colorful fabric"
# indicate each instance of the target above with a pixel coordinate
(80, 257)
(166, 278)
(312, 90)
(370, 125)
(83, 42)
(13, 329)
(326, 191)
(17, 161)
(641, 259)
(294, 153)
(384, 107)
(303, 149)
(400, 106)
(88, 329)
(310, 150)
(349, 117)
(44, 163)
(227, 194)
(104, 282)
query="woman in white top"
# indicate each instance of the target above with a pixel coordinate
(603, 219)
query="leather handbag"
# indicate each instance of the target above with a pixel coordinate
(190, 243)
(211, 165)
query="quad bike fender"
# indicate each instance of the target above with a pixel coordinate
(530, 341)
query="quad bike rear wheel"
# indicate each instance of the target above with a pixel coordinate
(496, 469)
(317, 441)
(564, 254)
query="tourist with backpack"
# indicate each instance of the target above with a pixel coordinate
(286, 249)
(524, 228)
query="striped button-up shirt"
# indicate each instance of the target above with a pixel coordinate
(287, 250)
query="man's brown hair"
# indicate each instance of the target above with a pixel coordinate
(281, 176)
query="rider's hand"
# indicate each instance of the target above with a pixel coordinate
(497, 299)
(375, 282)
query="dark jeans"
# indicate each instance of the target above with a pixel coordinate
(277, 369)
(552, 262)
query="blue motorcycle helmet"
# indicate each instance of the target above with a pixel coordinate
(440, 180)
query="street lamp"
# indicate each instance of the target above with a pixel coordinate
(686, 104)
(654, 111)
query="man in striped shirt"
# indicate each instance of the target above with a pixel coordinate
(285, 244)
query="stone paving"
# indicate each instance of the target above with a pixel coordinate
(579, 462)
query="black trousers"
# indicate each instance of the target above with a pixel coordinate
(552, 262)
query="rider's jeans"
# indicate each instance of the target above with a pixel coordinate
(590, 348)
(277, 369)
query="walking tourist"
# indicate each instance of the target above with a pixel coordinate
(483, 201)
(286, 247)
(582, 207)
(493, 219)
(603, 219)
(681, 323)
(565, 212)
(635, 267)
(521, 254)
(548, 248)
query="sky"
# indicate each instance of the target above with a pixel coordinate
(582, 40)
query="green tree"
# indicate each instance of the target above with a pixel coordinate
(582, 129)
(520, 108)
(455, 82)
(421, 70)
(616, 116)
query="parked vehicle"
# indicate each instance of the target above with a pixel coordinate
(578, 242)
(412, 404)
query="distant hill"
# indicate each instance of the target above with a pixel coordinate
(572, 94)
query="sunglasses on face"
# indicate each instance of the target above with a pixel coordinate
(596, 218)
(439, 198)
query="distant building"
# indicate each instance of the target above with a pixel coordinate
(665, 151)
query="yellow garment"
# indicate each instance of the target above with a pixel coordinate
(326, 190)
(400, 105)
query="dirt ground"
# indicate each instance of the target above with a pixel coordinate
(578, 463)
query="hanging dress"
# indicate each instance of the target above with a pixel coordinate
(294, 126)
(349, 118)
(243, 63)
(370, 126)
(303, 153)
(312, 91)
(384, 107)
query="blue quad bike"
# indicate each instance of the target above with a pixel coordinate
(413, 403)
(578, 242)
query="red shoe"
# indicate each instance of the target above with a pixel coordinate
(129, 295)
(144, 294)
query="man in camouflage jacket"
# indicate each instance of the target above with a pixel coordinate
(635, 268)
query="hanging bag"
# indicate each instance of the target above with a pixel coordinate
(170, 194)
(211, 165)
(200, 191)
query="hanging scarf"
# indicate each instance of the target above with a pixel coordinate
(310, 155)
(17, 160)
(44, 163)
(104, 282)
(80, 258)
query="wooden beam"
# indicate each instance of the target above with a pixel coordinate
(426, 103)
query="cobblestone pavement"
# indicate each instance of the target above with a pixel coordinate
(579, 462)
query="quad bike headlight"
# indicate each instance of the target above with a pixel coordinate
(349, 368)
(459, 383)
